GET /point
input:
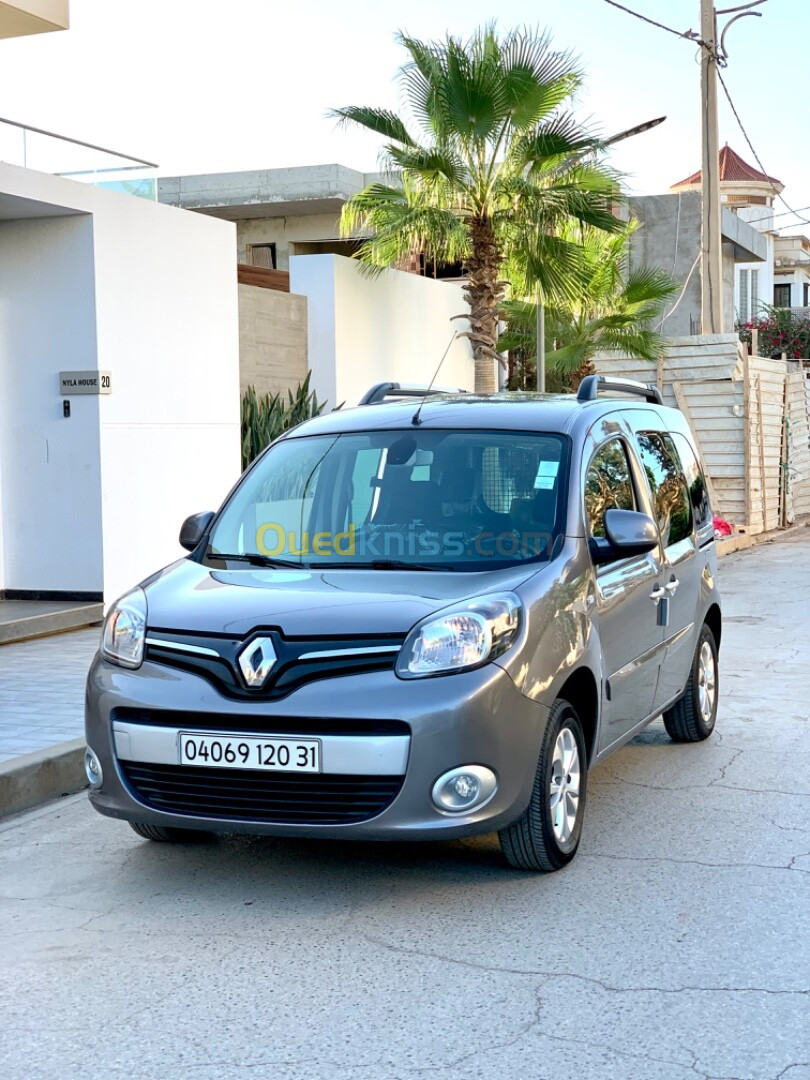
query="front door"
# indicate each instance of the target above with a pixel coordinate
(628, 630)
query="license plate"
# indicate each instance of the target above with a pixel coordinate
(250, 752)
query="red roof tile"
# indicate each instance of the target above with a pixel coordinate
(733, 168)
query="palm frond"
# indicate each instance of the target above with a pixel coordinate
(429, 164)
(548, 145)
(536, 78)
(382, 121)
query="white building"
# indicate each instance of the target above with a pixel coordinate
(94, 485)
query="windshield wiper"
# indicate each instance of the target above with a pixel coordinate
(255, 559)
(379, 564)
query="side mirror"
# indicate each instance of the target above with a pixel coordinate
(628, 533)
(194, 529)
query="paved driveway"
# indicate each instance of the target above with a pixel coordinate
(675, 946)
(42, 690)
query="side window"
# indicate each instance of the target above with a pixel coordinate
(668, 486)
(698, 492)
(608, 486)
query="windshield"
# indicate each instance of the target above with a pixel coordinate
(426, 499)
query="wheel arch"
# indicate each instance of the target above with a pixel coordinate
(582, 691)
(714, 620)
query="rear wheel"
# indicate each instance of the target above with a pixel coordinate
(547, 835)
(692, 717)
(168, 835)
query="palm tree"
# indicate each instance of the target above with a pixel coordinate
(614, 311)
(489, 159)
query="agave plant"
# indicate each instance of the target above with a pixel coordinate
(266, 416)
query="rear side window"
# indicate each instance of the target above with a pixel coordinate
(609, 486)
(668, 487)
(698, 491)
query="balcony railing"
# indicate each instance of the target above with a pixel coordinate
(45, 151)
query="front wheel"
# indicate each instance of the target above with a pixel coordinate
(547, 834)
(692, 717)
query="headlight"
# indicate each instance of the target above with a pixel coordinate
(461, 638)
(125, 629)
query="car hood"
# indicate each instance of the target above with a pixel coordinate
(187, 596)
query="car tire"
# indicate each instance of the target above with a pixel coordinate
(692, 717)
(162, 834)
(546, 836)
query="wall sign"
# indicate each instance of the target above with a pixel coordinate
(84, 382)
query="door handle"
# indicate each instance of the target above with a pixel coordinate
(657, 594)
(672, 585)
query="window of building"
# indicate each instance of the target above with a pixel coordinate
(262, 255)
(754, 294)
(806, 295)
(609, 486)
(668, 487)
(781, 296)
(744, 312)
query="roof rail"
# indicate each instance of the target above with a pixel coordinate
(385, 390)
(592, 384)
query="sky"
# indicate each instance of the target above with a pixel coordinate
(223, 85)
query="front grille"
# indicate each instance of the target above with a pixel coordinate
(297, 659)
(262, 723)
(277, 798)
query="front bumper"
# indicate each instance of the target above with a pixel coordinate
(477, 717)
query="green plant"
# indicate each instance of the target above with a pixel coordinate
(614, 310)
(266, 416)
(780, 331)
(487, 161)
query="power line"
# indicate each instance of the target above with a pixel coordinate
(720, 61)
(686, 35)
(777, 193)
(690, 35)
(782, 213)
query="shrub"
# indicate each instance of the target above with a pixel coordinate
(780, 331)
(266, 416)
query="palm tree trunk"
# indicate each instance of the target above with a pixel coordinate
(585, 368)
(484, 292)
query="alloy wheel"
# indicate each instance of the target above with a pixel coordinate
(564, 786)
(707, 681)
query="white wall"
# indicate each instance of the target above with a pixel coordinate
(365, 330)
(50, 514)
(162, 316)
(168, 330)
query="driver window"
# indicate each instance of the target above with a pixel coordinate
(608, 486)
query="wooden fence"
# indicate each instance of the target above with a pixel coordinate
(750, 418)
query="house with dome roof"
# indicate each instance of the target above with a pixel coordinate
(782, 279)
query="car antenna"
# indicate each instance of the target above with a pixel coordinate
(415, 418)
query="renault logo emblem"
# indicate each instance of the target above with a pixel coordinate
(256, 661)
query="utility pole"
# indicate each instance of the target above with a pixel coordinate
(711, 265)
(541, 346)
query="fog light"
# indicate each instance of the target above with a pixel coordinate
(92, 767)
(463, 789)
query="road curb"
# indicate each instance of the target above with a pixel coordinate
(743, 541)
(32, 779)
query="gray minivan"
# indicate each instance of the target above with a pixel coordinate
(418, 619)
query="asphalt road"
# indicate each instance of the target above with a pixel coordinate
(675, 946)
